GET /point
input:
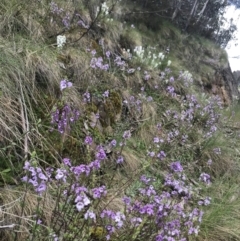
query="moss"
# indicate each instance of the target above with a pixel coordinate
(91, 107)
(113, 106)
(130, 39)
(96, 47)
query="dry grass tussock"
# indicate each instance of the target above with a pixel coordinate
(221, 220)
(12, 213)
(28, 73)
(148, 123)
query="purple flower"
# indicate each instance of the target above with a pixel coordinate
(32, 170)
(149, 98)
(151, 153)
(81, 201)
(101, 155)
(119, 62)
(110, 229)
(79, 206)
(145, 179)
(130, 71)
(93, 63)
(176, 166)
(126, 134)
(67, 162)
(42, 176)
(148, 209)
(204, 177)
(146, 76)
(81, 23)
(106, 94)
(25, 178)
(86, 97)
(108, 54)
(93, 52)
(88, 140)
(55, 9)
(107, 213)
(105, 67)
(98, 192)
(217, 150)
(65, 84)
(90, 214)
(79, 190)
(209, 162)
(118, 218)
(113, 143)
(160, 237)
(27, 165)
(127, 200)
(170, 90)
(171, 79)
(193, 230)
(39, 221)
(206, 201)
(159, 126)
(120, 159)
(95, 165)
(78, 170)
(150, 191)
(161, 155)
(41, 188)
(66, 20)
(136, 221)
(49, 171)
(156, 140)
(33, 181)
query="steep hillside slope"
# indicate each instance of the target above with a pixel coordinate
(114, 125)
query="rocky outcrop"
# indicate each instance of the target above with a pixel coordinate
(227, 84)
(224, 84)
(236, 74)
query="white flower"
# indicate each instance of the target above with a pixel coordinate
(105, 8)
(61, 40)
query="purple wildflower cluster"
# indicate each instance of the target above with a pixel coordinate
(210, 110)
(120, 63)
(106, 94)
(86, 97)
(39, 179)
(65, 84)
(192, 113)
(114, 221)
(204, 177)
(117, 62)
(64, 18)
(97, 63)
(169, 210)
(36, 177)
(147, 76)
(55, 9)
(64, 117)
(171, 91)
(82, 24)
